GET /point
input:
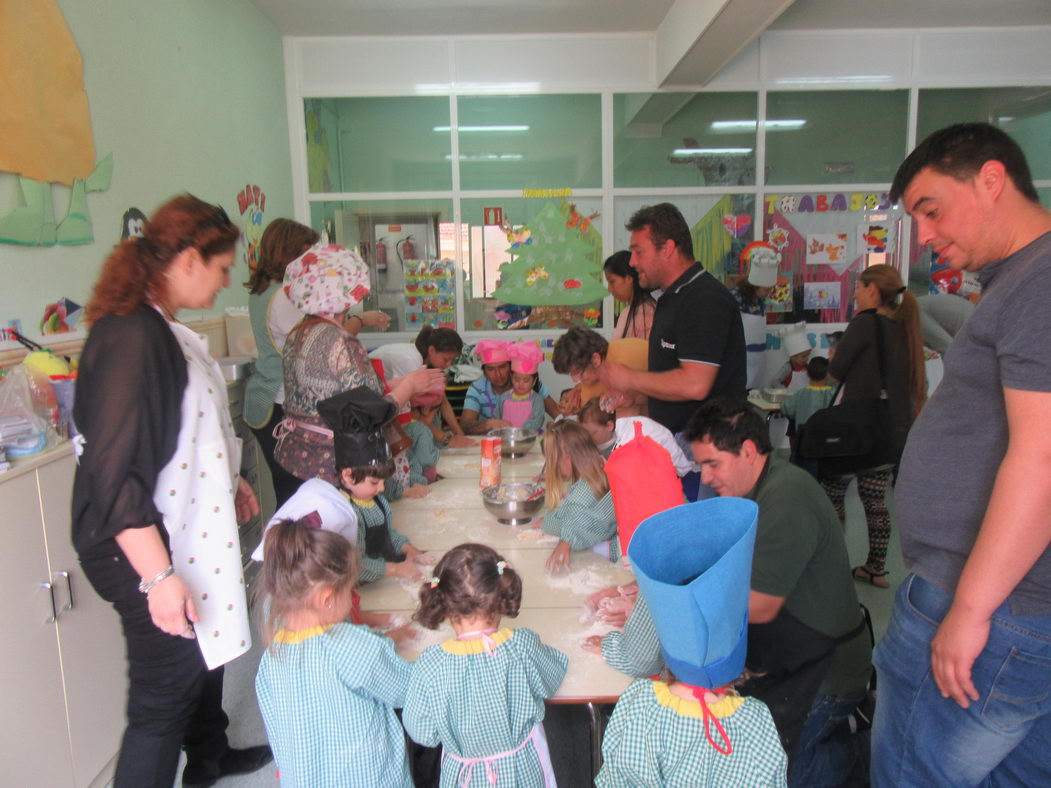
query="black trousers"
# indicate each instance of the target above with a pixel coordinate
(174, 701)
(285, 484)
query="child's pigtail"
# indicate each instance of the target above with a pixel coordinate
(433, 609)
(510, 593)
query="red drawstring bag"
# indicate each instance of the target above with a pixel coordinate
(643, 482)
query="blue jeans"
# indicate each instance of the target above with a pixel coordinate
(829, 755)
(920, 738)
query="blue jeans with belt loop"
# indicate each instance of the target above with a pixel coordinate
(920, 738)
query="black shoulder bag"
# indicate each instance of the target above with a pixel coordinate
(856, 434)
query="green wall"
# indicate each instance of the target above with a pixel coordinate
(187, 96)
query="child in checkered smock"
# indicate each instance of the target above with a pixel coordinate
(327, 689)
(481, 695)
(656, 737)
(582, 516)
(694, 730)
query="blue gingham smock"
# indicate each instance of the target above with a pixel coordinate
(478, 704)
(327, 696)
(582, 521)
(656, 739)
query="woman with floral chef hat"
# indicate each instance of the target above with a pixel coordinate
(322, 358)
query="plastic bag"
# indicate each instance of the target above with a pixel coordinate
(27, 412)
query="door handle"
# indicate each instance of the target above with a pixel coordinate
(69, 590)
(51, 595)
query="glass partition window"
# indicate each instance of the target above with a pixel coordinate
(526, 142)
(1024, 113)
(387, 144)
(410, 249)
(841, 136)
(684, 139)
(532, 263)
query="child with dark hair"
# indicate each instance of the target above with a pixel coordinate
(424, 452)
(481, 694)
(327, 689)
(357, 508)
(804, 403)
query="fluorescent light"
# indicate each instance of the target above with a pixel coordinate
(483, 128)
(749, 125)
(486, 157)
(710, 151)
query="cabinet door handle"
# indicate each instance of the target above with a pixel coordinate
(51, 595)
(69, 590)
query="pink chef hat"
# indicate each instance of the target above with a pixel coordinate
(492, 351)
(525, 357)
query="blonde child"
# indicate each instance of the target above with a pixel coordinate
(579, 505)
(523, 406)
(327, 689)
(481, 694)
(694, 729)
(609, 433)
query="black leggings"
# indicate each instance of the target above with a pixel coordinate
(173, 699)
(872, 488)
(285, 484)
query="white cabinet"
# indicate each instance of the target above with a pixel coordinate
(63, 667)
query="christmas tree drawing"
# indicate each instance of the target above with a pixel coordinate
(555, 267)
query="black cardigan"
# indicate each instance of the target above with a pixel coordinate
(128, 407)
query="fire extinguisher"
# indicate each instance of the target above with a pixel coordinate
(381, 255)
(405, 250)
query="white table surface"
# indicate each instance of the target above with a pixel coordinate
(552, 605)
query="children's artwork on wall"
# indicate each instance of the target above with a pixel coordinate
(875, 238)
(737, 225)
(45, 130)
(132, 224)
(804, 226)
(821, 295)
(720, 235)
(780, 298)
(60, 317)
(251, 202)
(32, 223)
(430, 294)
(553, 267)
(828, 249)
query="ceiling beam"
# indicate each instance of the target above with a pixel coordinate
(697, 38)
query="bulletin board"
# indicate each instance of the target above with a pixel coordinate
(825, 240)
(430, 294)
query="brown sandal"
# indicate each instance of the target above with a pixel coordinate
(867, 575)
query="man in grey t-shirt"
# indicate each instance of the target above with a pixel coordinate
(965, 666)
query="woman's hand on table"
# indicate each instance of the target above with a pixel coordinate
(461, 442)
(407, 569)
(171, 607)
(495, 424)
(592, 643)
(245, 502)
(416, 491)
(558, 561)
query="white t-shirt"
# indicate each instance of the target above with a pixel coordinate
(281, 319)
(625, 432)
(334, 511)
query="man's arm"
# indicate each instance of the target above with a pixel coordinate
(691, 381)
(1015, 532)
(763, 608)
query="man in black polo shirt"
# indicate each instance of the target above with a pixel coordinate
(697, 341)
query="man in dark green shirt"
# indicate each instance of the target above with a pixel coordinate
(806, 635)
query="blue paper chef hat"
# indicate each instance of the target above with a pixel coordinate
(694, 566)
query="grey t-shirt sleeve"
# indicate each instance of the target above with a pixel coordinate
(1023, 350)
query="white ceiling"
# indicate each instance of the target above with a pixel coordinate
(695, 39)
(486, 17)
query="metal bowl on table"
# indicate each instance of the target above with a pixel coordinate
(516, 442)
(513, 503)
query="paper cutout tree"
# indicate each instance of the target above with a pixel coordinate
(556, 268)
